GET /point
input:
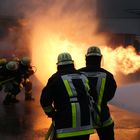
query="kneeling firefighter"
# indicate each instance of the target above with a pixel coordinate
(12, 86)
(3, 62)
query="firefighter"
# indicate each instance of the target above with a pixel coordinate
(65, 100)
(11, 82)
(103, 87)
(3, 62)
(25, 71)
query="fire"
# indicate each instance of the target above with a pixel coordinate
(48, 46)
(125, 60)
(45, 57)
(74, 32)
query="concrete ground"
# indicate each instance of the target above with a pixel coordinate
(27, 121)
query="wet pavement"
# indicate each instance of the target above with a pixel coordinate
(26, 121)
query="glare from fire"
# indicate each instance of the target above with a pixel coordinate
(125, 60)
(46, 50)
(46, 47)
(74, 31)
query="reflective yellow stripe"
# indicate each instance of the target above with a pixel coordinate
(73, 105)
(77, 133)
(100, 99)
(98, 119)
(87, 84)
(66, 83)
(108, 122)
(101, 94)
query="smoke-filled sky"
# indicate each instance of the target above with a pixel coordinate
(65, 25)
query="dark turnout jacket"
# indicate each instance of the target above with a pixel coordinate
(102, 89)
(65, 99)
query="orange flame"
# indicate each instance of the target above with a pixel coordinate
(125, 60)
(47, 47)
(55, 33)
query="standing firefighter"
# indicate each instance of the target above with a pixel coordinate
(65, 99)
(25, 71)
(103, 87)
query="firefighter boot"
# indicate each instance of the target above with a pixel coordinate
(28, 91)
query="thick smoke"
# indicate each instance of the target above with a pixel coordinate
(73, 21)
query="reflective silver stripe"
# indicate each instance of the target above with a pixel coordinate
(72, 87)
(74, 129)
(69, 79)
(94, 74)
(99, 88)
(73, 99)
(98, 85)
(100, 75)
(78, 116)
(85, 82)
(73, 92)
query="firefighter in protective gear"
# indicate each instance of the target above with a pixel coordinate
(11, 86)
(3, 62)
(11, 66)
(65, 99)
(25, 70)
(103, 86)
(26, 61)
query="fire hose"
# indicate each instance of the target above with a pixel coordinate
(5, 81)
(50, 132)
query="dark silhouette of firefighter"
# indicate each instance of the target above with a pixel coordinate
(14, 77)
(10, 81)
(3, 62)
(102, 86)
(25, 71)
(65, 99)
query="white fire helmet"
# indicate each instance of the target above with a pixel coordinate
(64, 59)
(25, 61)
(93, 51)
(12, 65)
